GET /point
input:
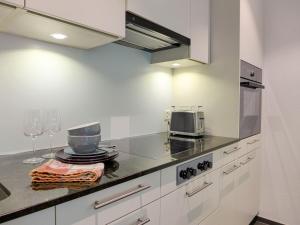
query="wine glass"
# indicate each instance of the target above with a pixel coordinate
(52, 126)
(33, 127)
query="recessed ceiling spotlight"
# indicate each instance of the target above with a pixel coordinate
(176, 65)
(58, 36)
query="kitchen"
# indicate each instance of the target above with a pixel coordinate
(87, 77)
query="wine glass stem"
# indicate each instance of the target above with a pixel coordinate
(33, 143)
(51, 142)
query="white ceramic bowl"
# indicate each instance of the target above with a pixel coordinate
(89, 129)
(84, 144)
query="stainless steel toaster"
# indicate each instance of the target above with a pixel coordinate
(188, 122)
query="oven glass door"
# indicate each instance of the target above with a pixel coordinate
(250, 110)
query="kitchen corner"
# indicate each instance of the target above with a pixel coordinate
(138, 112)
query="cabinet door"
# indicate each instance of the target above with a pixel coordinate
(251, 32)
(172, 14)
(19, 3)
(102, 207)
(45, 217)
(226, 214)
(190, 204)
(102, 15)
(200, 30)
(230, 153)
(244, 191)
(255, 170)
(147, 215)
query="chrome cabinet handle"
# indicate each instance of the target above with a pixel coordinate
(232, 150)
(142, 221)
(197, 190)
(253, 142)
(132, 191)
(247, 161)
(231, 170)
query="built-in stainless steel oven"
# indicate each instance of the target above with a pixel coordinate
(250, 100)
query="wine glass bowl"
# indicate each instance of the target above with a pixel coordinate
(52, 126)
(33, 128)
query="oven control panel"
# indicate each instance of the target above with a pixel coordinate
(190, 169)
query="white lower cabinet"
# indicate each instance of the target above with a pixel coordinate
(239, 192)
(228, 195)
(227, 212)
(191, 203)
(149, 215)
(110, 204)
(244, 189)
(44, 217)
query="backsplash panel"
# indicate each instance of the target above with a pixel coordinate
(106, 84)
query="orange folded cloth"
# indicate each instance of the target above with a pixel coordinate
(54, 171)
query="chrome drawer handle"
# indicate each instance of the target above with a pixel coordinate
(253, 142)
(197, 190)
(247, 161)
(231, 170)
(232, 151)
(142, 221)
(132, 191)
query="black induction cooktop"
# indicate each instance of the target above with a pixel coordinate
(159, 147)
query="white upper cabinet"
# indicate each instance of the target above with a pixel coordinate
(172, 14)
(200, 30)
(251, 32)
(103, 15)
(19, 3)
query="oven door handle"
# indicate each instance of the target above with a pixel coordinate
(252, 85)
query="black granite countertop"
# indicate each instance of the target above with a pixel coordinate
(138, 156)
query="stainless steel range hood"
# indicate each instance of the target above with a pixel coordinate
(151, 37)
(30, 24)
(168, 48)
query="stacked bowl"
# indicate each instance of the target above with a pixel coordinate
(84, 139)
(84, 146)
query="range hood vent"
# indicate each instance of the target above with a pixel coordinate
(151, 37)
(33, 25)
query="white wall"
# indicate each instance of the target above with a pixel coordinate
(280, 193)
(215, 86)
(112, 84)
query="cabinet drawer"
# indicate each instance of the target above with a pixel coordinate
(246, 159)
(253, 143)
(230, 153)
(191, 203)
(228, 179)
(147, 215)
(112, 203)
(44, 217)
(249, 144)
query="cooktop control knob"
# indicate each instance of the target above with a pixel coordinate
(201, 166)
(192, 171)
(183, 174)
(188, 174)
(209, 164)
